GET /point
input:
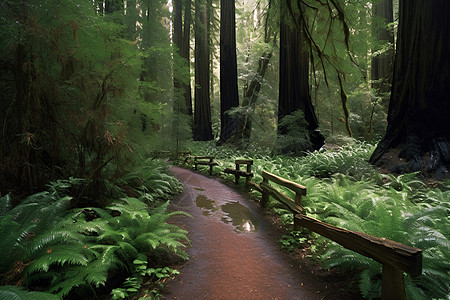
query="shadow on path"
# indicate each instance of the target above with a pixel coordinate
(234, 253)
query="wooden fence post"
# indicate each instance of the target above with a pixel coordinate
(265, 195)
(236, 176)
(393, 285)
(298, 202)
(249, 170)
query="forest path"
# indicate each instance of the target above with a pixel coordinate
(235, 253)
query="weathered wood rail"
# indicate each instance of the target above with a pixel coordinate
(396, 258)
(204, 160)
(240, 173)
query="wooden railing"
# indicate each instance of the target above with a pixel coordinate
(240, 173)
(207, 160)
(396, 258)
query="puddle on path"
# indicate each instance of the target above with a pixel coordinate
(206, 204)
(232, 212)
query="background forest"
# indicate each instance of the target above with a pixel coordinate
(92, 89)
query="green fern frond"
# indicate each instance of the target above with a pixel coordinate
(71, 281)
(128, 252)
(59, 255)
(13, 292)
(365, 282)
(413, 291)
(54, 237)
(114, 236)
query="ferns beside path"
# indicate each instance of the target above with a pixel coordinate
(47, 245)
(346, 191)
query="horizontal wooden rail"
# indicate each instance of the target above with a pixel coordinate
(396, 258)
(239, 173)
(244, 162)
(298, 188)
(287, 201)
(399, 256)
(210, 157)
(200, 160)
(255, 186)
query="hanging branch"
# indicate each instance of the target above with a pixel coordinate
(344, 105)
(324, 59)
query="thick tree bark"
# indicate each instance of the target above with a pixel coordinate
(229, 96)
(294, 76)
(177, 33)
(202, 112)
(419, 105)
(185, 53)
(382, 64)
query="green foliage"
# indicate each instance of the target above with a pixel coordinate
(292, 241)
(295, 139)
(150, 182)
(76, 252)
(13, 292)
(345, 191)
(19, 225)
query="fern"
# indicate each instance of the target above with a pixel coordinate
(13, 292)
(343, 189)
(59, 255)
(34, 215)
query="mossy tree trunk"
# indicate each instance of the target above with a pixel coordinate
(419, 107)
(229, 96)
(294, 74)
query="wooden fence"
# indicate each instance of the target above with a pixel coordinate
(396, 258)
(240, 173)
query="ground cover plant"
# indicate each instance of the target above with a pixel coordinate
(343, 189)
(51, 247)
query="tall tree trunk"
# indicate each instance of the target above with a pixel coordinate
(420, 103)
(229, 95)
(185, 53)
(177, 41)
(178, 24)
(382, 65)
(294, 75)
(202, 108)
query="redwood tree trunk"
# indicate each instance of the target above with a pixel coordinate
(185, 53)
(294, 75)
(229, 96)
(177, 33)
(202, 110)
(419, 106)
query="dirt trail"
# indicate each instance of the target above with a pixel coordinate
(234, 253)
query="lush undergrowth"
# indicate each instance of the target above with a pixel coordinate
(65, 252)
(343, 189)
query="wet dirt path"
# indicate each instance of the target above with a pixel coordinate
(233, 255)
